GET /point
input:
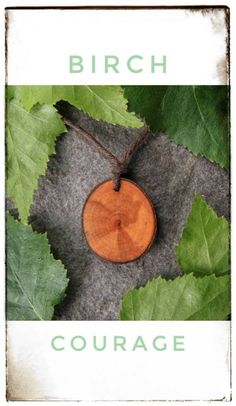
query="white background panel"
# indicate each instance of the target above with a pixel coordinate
(40, 42)
(201, 372)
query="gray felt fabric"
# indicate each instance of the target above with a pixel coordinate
(169, 174)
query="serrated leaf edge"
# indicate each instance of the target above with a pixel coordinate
(40, 235)
(35, 183)
(121, 93)
(199, 197)
(44, 237)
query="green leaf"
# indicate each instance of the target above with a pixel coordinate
(105, 103)
(204, 245)
(36, 282)
(194, 116)
(184, 298)
(31, 140)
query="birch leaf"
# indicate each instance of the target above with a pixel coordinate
(194, 116)
(105, 103)
(204, 245)
(36, 282)
(31, 137)
(184, 298)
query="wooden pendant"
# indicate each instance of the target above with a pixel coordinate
(119, 226)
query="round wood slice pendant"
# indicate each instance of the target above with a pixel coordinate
(119, 226)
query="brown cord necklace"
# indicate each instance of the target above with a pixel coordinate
(118, 218)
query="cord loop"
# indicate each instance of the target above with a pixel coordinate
(118, 167)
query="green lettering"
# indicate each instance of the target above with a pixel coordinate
(119, 341)
(53, 343)
(130, 63)
(163, 347)
(156, 64)
(111, 61)
(103, 345)
(75, 339)
(93, 64)
(76, 64)
(179, 345)
(139, 343)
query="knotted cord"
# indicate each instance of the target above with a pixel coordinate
(118, 166)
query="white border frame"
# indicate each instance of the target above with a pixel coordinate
(80, 3)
